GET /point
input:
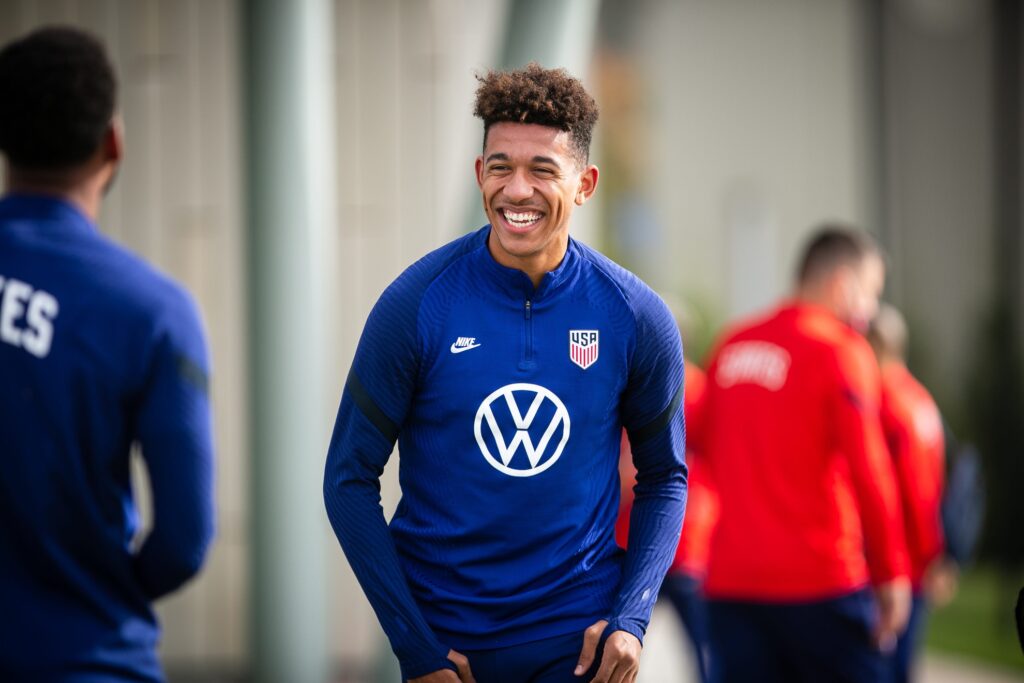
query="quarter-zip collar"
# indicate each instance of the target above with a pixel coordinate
(516, 283)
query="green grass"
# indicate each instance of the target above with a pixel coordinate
(979, 622)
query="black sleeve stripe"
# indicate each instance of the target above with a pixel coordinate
(193, 374)
(657, 424)
(373, 413)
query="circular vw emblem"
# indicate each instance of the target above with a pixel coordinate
(503, 415)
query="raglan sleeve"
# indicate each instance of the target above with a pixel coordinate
(374, 404)
(174, 430)
(652, 414)
(856, 416)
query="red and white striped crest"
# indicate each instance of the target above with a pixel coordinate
(583, 347)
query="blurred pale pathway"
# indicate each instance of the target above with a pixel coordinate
(946, 669)
(668, 659)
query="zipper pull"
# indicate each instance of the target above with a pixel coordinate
(528, 309)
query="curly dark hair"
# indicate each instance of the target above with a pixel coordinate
(533, 94)
(57, 93)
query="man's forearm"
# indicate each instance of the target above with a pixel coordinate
(655, 523)
(358, 520)
(181, 478)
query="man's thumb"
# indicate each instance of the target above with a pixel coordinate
(591, 638)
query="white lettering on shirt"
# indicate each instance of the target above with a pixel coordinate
(26, 316)
(753, 362)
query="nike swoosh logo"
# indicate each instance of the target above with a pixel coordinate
(460, 349)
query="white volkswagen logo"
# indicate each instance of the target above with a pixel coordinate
(507, 449)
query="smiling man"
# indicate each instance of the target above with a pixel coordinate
(506, 364)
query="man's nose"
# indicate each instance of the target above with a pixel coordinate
(518, 187)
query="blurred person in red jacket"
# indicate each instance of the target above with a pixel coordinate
(914, 433)
(683, 585)
(809, 511)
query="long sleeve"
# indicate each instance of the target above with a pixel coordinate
(655, 424)
(175, 433)
(374, 404)
(859, 436)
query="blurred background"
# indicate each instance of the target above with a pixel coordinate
(286, 160)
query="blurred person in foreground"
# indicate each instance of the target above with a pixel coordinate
(507, 364)
(683, 587)
(97, 352)
(914, 433)
(809, 510)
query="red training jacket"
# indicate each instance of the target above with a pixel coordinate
(793, 438)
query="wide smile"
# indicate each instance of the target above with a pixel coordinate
(520, 221)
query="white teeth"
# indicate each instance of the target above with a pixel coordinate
(524, 218)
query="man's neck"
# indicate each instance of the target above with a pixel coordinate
(813, 296)
(535, 267)
(81, 193)
(886, 361)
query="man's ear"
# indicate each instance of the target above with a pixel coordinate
(113, 141)
(588, 183)
(480, 171)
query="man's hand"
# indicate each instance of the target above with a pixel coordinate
(447, 675)
(621, 660)
(940, 582)
(893, 611)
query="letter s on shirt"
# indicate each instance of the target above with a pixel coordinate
(41, 310)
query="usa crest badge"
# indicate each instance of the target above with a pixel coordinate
(583, 347)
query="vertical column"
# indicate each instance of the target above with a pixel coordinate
(937, 97)
(871, 31)
(1008, 67)
(554, 34)
(291, 184)
(999, 369)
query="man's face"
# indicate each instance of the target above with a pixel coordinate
(530, 182)
(860, 292)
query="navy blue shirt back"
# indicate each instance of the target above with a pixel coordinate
(97, 352)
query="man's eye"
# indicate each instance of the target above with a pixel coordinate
(499, 167)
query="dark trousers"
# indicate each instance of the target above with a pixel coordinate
(685, 595)
(907, 645)
(826, 641)
(552, 660)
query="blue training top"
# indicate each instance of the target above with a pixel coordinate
(508, 404)
(97, 351)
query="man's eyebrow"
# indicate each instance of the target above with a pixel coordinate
(501, 156)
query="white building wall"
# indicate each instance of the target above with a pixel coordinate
(760, 132)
